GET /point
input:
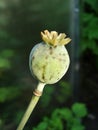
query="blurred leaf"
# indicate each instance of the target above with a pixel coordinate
(4, 63)
(91, 30)
(79, 109)
(65, 91)
(89, 26)
(3, 34)
(90, 44)
(7, 53)
(66, 114)
(76, 121)
(41, 126)
(47, 96)
(56, 124)
(2, 4)
(8, 93)
(93, 4)
(80, 127)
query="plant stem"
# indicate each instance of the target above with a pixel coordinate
(31, 106)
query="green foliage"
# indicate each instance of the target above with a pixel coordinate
(42, 126)
(46, 98)
(65, 91)
(78, 127)
(79, 110)
(5, 57)
(51, 92)
(89, 26)
(65, 118)
(93, 4)
(8, 93)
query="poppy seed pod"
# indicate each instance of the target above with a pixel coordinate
(49, 60)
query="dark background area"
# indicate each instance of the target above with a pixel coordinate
(21, 22)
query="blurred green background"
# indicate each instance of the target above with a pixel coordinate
(21, 22)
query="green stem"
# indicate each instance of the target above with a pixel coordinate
(31, 107)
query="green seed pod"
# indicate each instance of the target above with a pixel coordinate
(49, 60)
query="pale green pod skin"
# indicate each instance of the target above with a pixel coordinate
(48, 63)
